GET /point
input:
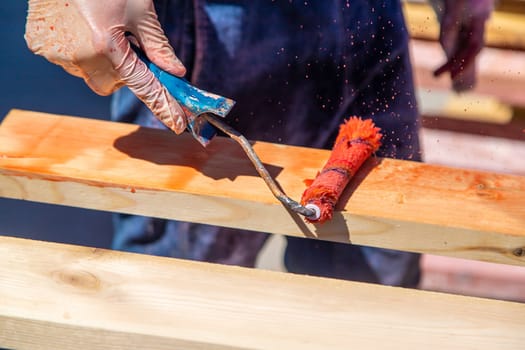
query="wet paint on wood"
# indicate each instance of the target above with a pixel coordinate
(389, 203)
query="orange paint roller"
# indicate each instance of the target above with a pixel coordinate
(357, 140)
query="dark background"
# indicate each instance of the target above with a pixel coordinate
(30, 82)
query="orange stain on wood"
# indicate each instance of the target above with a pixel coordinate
(118, 155)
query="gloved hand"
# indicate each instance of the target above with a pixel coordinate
(462, 37)
(88, 39)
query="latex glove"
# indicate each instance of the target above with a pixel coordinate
(88, 39)
(462, 37)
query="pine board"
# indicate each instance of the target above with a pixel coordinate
(390, 203)
(57, 296)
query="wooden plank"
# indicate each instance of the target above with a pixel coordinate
(474, 278)
(485, 153)
(61, 297)
(516, 6)
(500, 74)
(465, 106)
(503, 29)
(390, 203)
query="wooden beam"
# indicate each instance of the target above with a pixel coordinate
(57, 296)
(474, 278)
(499, 75)
(390, 203)
(503, 29)
(463, 107)
(516, 6)
(485, 153)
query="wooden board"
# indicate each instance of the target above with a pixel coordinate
(62, 297)
(503, 29)
(463, 107)
(390, 203)
(474, 278)
(500, 75)
(473, 151)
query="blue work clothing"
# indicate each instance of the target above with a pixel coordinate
(297, 69)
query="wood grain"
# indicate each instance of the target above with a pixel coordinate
(56, 296)
(390, 203)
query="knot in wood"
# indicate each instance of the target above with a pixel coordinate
(79, 279)
(519, 252)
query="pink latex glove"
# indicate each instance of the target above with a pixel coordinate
(462, 37)
(88, 39)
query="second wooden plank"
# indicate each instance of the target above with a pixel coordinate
(58, 296)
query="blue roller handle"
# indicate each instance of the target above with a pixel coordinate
(197, 103)
(194, 101)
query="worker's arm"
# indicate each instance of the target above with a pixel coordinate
(462, 37)
(91, 39)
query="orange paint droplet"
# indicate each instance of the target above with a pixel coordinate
(52, 27)
(308, 182)
(133, 190)
(67, 4)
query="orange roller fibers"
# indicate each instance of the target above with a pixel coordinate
(357, 140)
